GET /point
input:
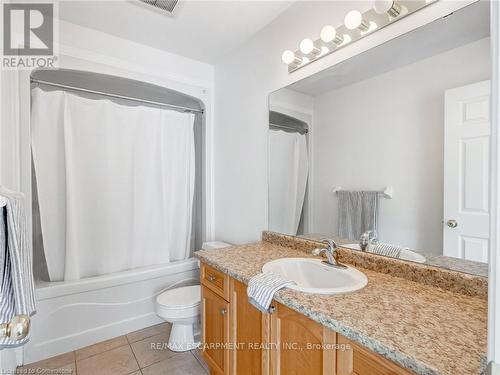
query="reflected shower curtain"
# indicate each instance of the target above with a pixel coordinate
(288, 171)
(115, 184)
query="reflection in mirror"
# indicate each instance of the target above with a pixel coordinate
(388, 152)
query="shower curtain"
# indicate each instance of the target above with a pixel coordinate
(288, 171)
(115, 184)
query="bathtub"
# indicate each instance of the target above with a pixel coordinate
(74, 314)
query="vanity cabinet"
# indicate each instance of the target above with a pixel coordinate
(357, 360)
(300, 345)
(215, 330)
(234, 332)
(240, 340)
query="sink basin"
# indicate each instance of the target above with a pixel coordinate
(405, 254)
(313, 276)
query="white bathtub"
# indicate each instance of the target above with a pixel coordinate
(74, 314)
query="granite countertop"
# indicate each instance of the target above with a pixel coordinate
(423, 328)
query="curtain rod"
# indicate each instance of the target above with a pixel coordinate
(289, 128)
(185, 109)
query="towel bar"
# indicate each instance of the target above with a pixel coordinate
(17, 329)
(386, 193)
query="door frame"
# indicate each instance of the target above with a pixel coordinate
(494, 255)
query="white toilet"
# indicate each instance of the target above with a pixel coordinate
(181, 307)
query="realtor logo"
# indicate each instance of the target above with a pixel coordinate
(35, 22)
(28, 35)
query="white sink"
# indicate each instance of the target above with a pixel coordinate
(312, 276)
(405, 254)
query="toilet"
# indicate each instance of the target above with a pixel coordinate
(181, 308)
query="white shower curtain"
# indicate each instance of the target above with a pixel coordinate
(115, 184)
(288, 171)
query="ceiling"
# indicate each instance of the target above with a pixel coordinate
(459, 28)
(201, 30)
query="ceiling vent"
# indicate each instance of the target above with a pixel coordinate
(166, 5)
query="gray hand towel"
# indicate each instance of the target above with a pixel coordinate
(357, 213)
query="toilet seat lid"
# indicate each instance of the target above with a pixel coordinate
(186, 296)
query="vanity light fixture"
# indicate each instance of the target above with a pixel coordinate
(356, 25)
(390, 7)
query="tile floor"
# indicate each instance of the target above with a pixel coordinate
(132, 354)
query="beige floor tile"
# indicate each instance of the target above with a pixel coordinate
(53, 363)
(118, 361)
(148, 332)
(100, 347)
(151, 350)
(180, 363)
(199, 357)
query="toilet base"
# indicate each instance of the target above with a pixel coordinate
(181, 338)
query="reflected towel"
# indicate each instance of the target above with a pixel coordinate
(357, 213)
(386, 249)
(17, 294)
(262, 287)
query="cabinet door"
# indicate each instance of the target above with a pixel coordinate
(215, 323)
(249, 332)
(300, 345)
(357, 360)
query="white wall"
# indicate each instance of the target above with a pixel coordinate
(244, 79)
(494, 256)
(388, 131)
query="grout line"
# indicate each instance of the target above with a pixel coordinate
(200, 361)
(146, 337)
(104, 351)
(135, 357)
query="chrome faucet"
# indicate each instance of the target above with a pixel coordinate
(330, 252)
(368, 238)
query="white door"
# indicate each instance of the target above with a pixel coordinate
(466, 172)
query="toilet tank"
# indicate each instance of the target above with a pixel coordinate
(214, 245)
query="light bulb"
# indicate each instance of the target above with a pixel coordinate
(354, 20)
(328, 33)
(306, 46)
(288, 57)
(387, 6)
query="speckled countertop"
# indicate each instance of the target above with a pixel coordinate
(422, 328)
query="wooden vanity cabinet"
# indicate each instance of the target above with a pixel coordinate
(357, 360)
(215, 331)
(300, 345)
(235, 341)
(250, 333)
(240, 340)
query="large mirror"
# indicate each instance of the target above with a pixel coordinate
(389, 150)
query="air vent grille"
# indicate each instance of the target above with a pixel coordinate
(166, 5)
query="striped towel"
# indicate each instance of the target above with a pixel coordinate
(261, 289)
(17, 294)
(393, 251)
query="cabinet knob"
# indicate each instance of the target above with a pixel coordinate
(452, 223)
(211, 278)
(223, 311)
